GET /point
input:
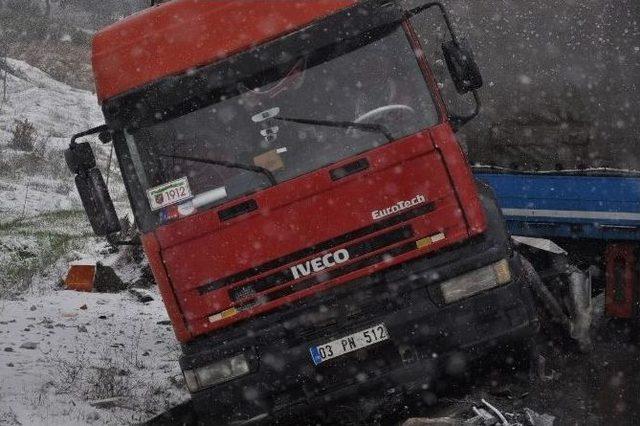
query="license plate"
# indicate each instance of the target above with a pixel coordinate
(350, 343)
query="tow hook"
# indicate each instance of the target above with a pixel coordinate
(408, 354)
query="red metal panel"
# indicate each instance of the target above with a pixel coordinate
(152, 250)
(622, 271)
(200, 306)
(183, 34)
(81, 277)
(462, 179)
(312, 208)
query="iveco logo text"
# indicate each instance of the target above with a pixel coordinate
(401, 205)
(319, 263)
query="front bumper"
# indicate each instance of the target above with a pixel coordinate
(427, 337)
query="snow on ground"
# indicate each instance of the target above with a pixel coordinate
(36, 182)
(63, 351)
(56, 109)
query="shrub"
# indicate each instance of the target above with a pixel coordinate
(24, 136)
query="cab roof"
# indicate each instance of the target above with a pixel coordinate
(180, 35)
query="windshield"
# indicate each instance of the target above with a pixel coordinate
(303, 116)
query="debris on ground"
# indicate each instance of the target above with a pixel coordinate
(106, 402)
(107, 281)
(146, 279)
(489, 415)
(496, 411)
(441, 421)
(140, 295)
(81, 276)
(482, 418)
(535, 419)
(29, 345)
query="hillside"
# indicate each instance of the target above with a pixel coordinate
(41, 217)
(64, 351)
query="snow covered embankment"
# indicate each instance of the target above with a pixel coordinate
(77, 358)
(67, 357)
(33, 182)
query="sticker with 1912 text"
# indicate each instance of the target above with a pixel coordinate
(169, 193)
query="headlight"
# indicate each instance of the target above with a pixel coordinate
(218, 372)
(476, 281)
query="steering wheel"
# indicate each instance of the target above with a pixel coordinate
(383, 110)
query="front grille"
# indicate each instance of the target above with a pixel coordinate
(356, 250)
(334, 273)
(318, 248)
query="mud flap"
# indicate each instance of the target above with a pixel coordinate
(621, 275)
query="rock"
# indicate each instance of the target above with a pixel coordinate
(141, 296)
(9, 364)
(29, 345)
(82, 329)
(535, 419)
(33, 308)
(146, 279)
(8, 349)
(107, 281)
(94, 416)
(164, 322)
(102, 317)
(83, 307)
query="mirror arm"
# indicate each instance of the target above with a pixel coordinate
(93, 131)
(458, 121)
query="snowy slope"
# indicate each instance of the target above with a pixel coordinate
(56, 109)
(61, 351)
(36, 182)
(40, 212)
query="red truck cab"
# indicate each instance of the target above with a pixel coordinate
(312, 223)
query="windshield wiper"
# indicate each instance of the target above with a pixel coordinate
(229, 164)
(366, 127)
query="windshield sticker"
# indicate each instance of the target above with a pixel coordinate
(270, 160)
(210, 196)
(168, 194)
(265, 115)
(270, 131)
(398, 207)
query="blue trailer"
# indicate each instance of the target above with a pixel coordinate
(596, 206)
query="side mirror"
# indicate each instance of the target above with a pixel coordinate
(91, 187)
(97, 202)
(463, 68)
(80, 158)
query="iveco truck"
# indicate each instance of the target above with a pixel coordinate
(311, 222)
